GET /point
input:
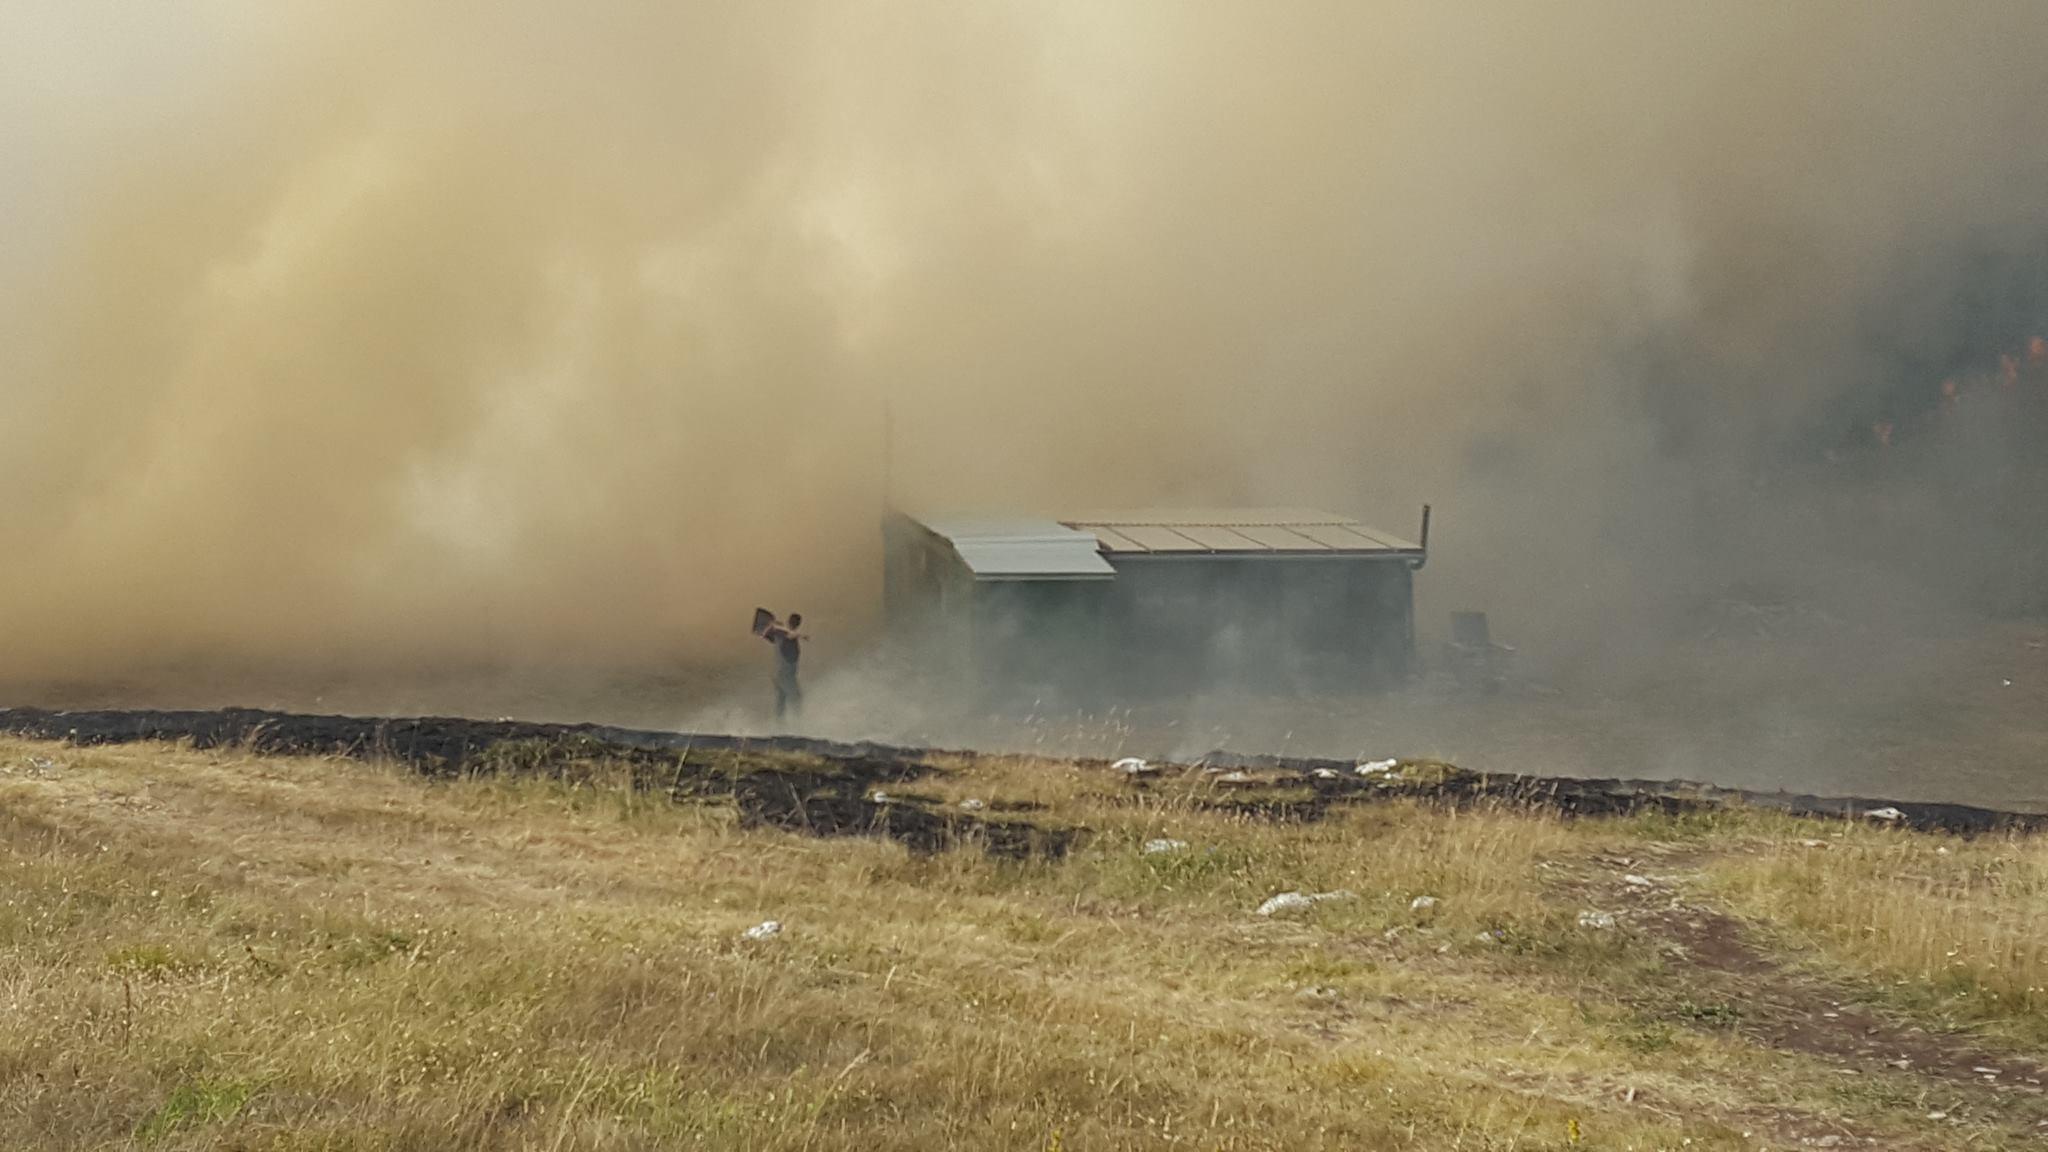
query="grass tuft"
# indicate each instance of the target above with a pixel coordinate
(209, 949)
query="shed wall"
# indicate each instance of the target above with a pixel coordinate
(1164, 626)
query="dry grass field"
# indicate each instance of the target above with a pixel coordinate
(208, 949)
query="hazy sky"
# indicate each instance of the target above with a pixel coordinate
(520, 330)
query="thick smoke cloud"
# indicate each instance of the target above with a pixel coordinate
(387, 333)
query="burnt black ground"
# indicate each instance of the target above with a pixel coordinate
(825, 788)
(804, 786)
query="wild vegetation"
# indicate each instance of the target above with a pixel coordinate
(214, 948)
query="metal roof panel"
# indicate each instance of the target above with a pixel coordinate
(1236, 530)
(1210, 517)
(1158, 538)
(1114, 541)
(1282, 539)
(1340, 536)
(1219, 539)
(996, 548)
(997, 528)
(1024, 560)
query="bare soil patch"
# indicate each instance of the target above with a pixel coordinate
(1727, 980)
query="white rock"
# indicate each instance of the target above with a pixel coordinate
(1941, 851)
(765, 930)
(1160, 847)
(1234, 778)
(879, 797)
(1937, 1115)
(1422, 904)
(1286, 902)
(1635, 881)
(1885, 814)
(1375, 767)
(1132, 766)
(972, 805)
(1599, 920)
(1326, 774)
(1301, 902)
(1813, 843)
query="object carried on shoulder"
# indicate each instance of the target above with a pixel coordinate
(762, 619)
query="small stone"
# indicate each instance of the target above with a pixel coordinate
(1132, 766)
(1596, 920)
(1422, 904)
(1937, 1115)
(1161, 847)
(1886, 814)
(1635, 881)
(1234, 778)
(879, 797)
(1376, 767)
(1813, 843)
(972, 805)
(765, 930)
(1326, 774)
(1286, 902)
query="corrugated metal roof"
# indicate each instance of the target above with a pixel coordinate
(1018, 549)
(1114, 541)
(1157, 538)
(1286, 539)
(1235, 530)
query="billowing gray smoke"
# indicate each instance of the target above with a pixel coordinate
(385, 332)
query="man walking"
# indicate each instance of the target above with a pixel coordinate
(788, 641)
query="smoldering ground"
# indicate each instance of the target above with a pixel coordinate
(352, 346)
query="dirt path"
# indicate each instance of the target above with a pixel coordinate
(1725, 979)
